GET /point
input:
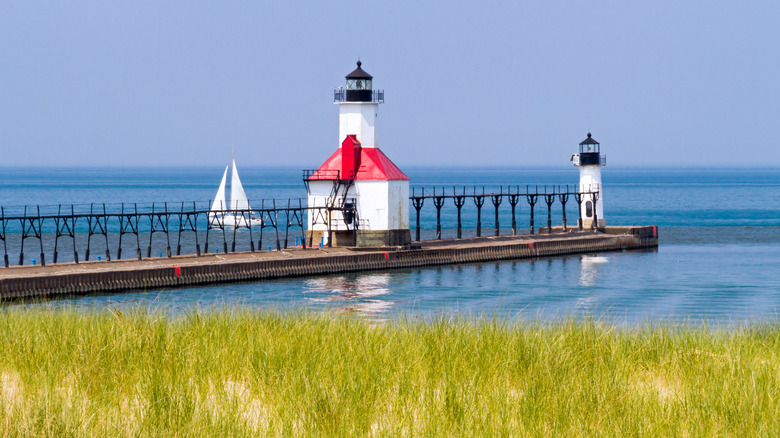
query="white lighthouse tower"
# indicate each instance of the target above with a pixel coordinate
(590, 161)
(358, 196)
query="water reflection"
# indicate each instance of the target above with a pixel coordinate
(354, 294)
(686, 282)
(589, 269)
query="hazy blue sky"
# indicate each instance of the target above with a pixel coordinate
(467, 83)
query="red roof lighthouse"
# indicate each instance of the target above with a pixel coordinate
(359, 176)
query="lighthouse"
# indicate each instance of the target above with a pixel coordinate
(358, 196)
(590, 161)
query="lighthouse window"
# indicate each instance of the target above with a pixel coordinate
(358, 84)
(588, 209)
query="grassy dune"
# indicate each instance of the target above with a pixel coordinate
(71, 373)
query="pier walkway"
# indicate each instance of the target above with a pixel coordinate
(121, 275)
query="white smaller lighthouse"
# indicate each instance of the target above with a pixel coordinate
(590, 161)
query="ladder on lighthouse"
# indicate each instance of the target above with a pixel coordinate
(338, 194)
(337, 201)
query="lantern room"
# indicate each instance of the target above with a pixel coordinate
(589, 152)
(359, 85)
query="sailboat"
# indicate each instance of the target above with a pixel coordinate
(237, 213)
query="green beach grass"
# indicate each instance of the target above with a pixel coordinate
(241, 373)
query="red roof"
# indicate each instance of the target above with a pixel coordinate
(374, 166)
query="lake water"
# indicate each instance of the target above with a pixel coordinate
(718, 260)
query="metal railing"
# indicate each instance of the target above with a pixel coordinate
(512, 194)
(340, 95)
(112, 228)
(68, 232)
(318, 175)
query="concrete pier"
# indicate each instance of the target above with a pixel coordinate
(19, 282)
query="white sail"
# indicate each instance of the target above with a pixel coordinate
(219, 199)
(233, 214)
(238, 200)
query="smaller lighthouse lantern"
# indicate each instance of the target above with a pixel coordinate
(590, 161)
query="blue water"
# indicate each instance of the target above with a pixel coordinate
(718, 260)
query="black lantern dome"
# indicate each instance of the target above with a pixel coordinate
(359, 88)
(359, 85)
(589, 152)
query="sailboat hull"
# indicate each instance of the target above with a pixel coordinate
(229, 220)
